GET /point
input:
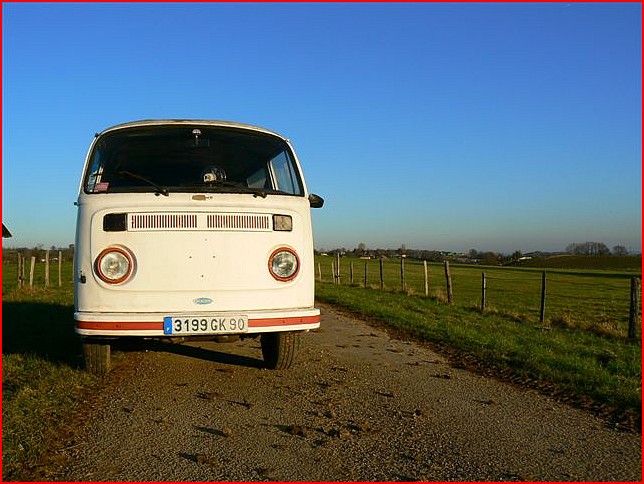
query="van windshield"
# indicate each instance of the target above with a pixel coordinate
(164, 159)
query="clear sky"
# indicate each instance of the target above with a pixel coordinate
(438, 126)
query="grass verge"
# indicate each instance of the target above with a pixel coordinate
(594, 300)
(581, 367)
(43, 382)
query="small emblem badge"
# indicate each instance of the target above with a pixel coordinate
(202, 300)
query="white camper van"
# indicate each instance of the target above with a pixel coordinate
(193, 230)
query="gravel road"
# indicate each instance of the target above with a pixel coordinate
(358, 406)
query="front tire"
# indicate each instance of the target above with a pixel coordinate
(97, 354)
(280, 349)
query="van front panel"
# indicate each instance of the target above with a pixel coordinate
(206, 219)
(182, 258)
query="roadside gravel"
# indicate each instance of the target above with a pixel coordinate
(358, 406)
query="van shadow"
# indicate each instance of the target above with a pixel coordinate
(45, 330)
(191, 351)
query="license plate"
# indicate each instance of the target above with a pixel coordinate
(182, 325)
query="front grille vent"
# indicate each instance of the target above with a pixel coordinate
(138, 222)
(228, 221)
(163, 221)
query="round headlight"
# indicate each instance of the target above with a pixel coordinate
(284, 264)
(114, 265)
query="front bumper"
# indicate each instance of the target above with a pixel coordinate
(151, 324)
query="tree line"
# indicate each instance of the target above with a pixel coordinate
(474, 256)
(595, 248)
(9, 255)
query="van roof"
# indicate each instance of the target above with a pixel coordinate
(190, 122)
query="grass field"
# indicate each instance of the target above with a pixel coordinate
(42, 376)
(593, 300)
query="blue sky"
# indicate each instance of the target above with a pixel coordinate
(438, 126)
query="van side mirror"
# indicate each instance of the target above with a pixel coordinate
(316, 201)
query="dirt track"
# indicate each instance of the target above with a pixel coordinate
(358, 406)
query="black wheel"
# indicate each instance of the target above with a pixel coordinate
(97, 356)
(280, 349)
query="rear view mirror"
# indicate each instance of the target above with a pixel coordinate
(316, 201)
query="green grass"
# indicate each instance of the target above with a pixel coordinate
(42, 378)
(596, 301)
(579, 364)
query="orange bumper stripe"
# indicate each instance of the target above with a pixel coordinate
(262, 323)
(147, 326)
(119, 325)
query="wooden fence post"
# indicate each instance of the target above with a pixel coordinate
(542, 312)
(320, 271)
(31, 271)
(337, 267)
(46, 268)
(402, 274)
(426, 278)
(365, 274)
(382, 279)
(20, 261)
(483, 290)
(351, 272)
(60, 268)
(635, 317)
(448, 282)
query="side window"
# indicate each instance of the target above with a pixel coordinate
(285, 177)
(94, 175)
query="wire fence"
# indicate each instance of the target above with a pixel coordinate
(606, 303)
(21, 271)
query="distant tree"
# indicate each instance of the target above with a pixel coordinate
(490, 258)
(588, 248)
(360, 250)
(601, 249)
(516, 255)
(620, 250)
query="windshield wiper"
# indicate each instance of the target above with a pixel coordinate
(240, 187)
(258, 192)
(161, 190)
